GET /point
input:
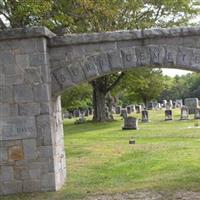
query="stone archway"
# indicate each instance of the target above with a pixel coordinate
(37, 66)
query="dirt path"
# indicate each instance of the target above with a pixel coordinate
(149, 195)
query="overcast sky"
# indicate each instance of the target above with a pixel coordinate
(174, 72)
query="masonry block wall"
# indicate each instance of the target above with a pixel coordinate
(31, 136)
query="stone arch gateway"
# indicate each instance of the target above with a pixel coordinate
(36, 66)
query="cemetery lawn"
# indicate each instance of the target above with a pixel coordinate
(166, 157)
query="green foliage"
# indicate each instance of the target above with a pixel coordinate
(77, 16)
(181, 87)
(142, 85)
(77, 97)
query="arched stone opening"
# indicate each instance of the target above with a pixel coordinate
(37, 66)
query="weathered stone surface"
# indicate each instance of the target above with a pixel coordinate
(184, 113)
(31, 185)
(195, 62)
(22, 61)
(29, 109)
(8, 110)
(168, 115)
(76, 72)
(184, 57)
(41, 93)
(130, 123)
(23, 93)
(3, 154)
(30, 149)
(129, 57)
(63, 78)
(15, 153)
(90, 68)
(32, 75)
(115, 60)
(43, 130)
(197, 113)
(143, 56)
(18, 128)
(11, 187)
(37, 60)
(157, 55)
(6, 174)
(6, 94)
(192, 104)
(101, 61)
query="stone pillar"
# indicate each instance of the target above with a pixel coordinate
(31, 135)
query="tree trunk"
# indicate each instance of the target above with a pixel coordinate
(99, 102)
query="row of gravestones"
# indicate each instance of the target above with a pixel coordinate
(78, 113)
(190, 103)
(191, 107)
(132, 122)
(184, 113)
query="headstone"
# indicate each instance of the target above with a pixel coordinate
(90, 110)
(66, 114)
(124, 113)
(184, 113)
(86, 112)
(113, 111)
(164, 102)
(158, 106)
(130, 123)
(138, 108)
(133, 108)
(197, 113)
(168, 106)
(81, 120)
(145, 116)
(174, 105)
(77, 113)
(192, 104)
(118, 110)
(128, 108)
(179, 103)
(150, 106)
(70, 115)
(170, 103)
(168, 115)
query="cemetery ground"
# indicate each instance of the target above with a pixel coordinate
(100, 160)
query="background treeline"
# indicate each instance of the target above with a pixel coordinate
(138, 86)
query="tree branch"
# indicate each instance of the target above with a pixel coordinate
(115, 82)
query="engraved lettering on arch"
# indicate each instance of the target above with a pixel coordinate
(195, 62)
(157, 54)
(89, 67)
(170, 55)
(74, 71)
(62, 78)
(143, 56)
(197, 59)
(101, 61)
(184, 56)
(128, 57)
(115, 59)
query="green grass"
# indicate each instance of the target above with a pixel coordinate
(166, 156)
